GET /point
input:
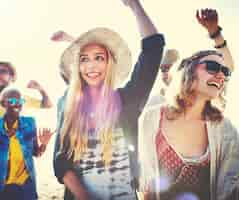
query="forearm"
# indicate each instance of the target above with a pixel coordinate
(72, 182)
(45, 102)
(146, 27)
(224, 50)
(70, 38)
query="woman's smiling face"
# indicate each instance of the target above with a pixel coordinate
(93, 64)
(209, 85)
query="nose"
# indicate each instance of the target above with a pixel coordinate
(91, 64)
(220, 75)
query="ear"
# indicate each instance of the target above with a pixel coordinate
(3, 103)
(11, 79)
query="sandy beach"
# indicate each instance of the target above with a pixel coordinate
(47, 185)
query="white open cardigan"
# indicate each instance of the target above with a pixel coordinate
(224, 153)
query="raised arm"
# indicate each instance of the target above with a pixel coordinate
(45, 102)
(136, 92)
(146, 27)
(209, 19)
(62, 36)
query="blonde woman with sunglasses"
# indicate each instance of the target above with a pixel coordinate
(189, 149)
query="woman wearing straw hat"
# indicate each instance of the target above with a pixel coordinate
(96, 148)
(196, 149)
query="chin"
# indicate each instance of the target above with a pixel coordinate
(213, 96)
(94, 83)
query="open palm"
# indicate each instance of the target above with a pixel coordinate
(44, 135)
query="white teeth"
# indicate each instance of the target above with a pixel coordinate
(16, 109)
(215, 84)
(93, 74)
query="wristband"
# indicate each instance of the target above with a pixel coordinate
(216, 34)
(221, 45)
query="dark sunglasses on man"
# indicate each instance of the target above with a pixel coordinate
(14, 101)
(213, 67)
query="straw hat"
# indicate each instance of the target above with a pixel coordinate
(106, 37)
(171, 56)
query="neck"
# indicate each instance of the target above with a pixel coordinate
(10, 119)
(95, 94)
(195, 112)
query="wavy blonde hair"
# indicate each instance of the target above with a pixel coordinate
(74, 132)
(186, 96)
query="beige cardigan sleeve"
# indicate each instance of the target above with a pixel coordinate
(148, 127)
(228, 171)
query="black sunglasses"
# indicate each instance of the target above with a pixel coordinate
(213, 67)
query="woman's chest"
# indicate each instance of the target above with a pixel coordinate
(188, 138)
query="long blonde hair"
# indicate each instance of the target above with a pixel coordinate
(74, 133)
(186, 95)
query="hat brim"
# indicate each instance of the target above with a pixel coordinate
(170, 57)
(108, 38)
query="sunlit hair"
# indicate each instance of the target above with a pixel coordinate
(74, 132)
(186, 96)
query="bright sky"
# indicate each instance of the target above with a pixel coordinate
(27, 25)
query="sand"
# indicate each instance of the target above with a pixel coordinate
(47, 185)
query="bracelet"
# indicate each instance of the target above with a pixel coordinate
(221, 45)
(216, 34)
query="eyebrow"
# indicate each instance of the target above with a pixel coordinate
(100, 53)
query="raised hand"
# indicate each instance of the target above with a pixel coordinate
(129, 2)
(32, 84)
(208, 18)
(61, 36)
(145, 25)
(44, 135)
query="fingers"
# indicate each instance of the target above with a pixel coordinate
(207, 14)
(213, 15)
(44, 135)
(126, 2)
(33, 84)
(57, 35)
(45, 131)
(130, 3)
(198, 15)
